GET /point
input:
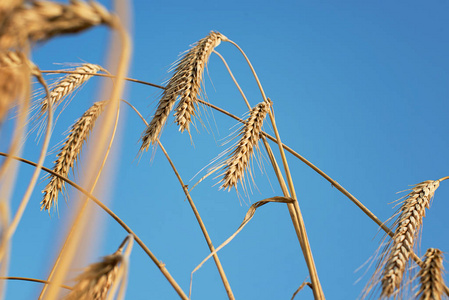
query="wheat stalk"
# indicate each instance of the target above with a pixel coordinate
(70, 152)
(408, 224)
(95, 282)
(185, 83)
(430, 276)
(68, 84)
(44, 19)
(235, 166)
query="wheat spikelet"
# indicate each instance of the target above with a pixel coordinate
(185, 83)
(408, 224)
(430, 276)
(44, 19)
(95, 282)
(235, 166)
(68, 84)
(70, 152)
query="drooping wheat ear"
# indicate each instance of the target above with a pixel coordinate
(68, 84)
(185, 83)
(235, 166)
(408, 224)
(14, 69)
(70, 152)
(431, 276)
(42, 20)
(94, 283)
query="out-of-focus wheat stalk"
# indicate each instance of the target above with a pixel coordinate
(407, 228)
(70, 152)
(431, 276)
(185, 83)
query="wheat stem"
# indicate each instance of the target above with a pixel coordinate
(33, 280)
(317, 289)
(251, 67)
(159, 264)
(233, 79)
(195, 211)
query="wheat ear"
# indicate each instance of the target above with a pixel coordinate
(408, 224)
(185, 83)
(95, 282)
(70, 152)
(235, 166)
(430, 276)
(44, 19)
(68, 84)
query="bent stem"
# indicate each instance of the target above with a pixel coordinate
(317, 289)
(298, 224)
(159, 264)
(195, 212)
(83, 208)
(233, 79)
(33, 280)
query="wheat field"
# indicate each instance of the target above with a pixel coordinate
(236, 151)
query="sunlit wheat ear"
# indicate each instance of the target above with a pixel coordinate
(42, 20)
(235, 166)
(94, 283)
(185, 83)
(431, 276)
(70, 152)
(407, 228)
(68, 84)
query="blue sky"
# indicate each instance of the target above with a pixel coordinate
(359, 89)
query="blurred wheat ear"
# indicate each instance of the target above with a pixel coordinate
(185, 83)
(70, 152)
(95, 282)
(407, 228)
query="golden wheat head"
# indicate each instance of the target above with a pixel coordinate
(42, 20)
(408, 224)
(70, 152)
(68, 84)
(430, 276)
(95, 282)
(236, 165)
(185, 84)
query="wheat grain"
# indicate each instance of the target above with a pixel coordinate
(185, 83)
(95, 282)
(70, 152)
(68, 84)
(44, 19)
(408, 224)
(235, 166)
(430, 276)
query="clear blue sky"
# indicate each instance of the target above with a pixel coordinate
(359, 89)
